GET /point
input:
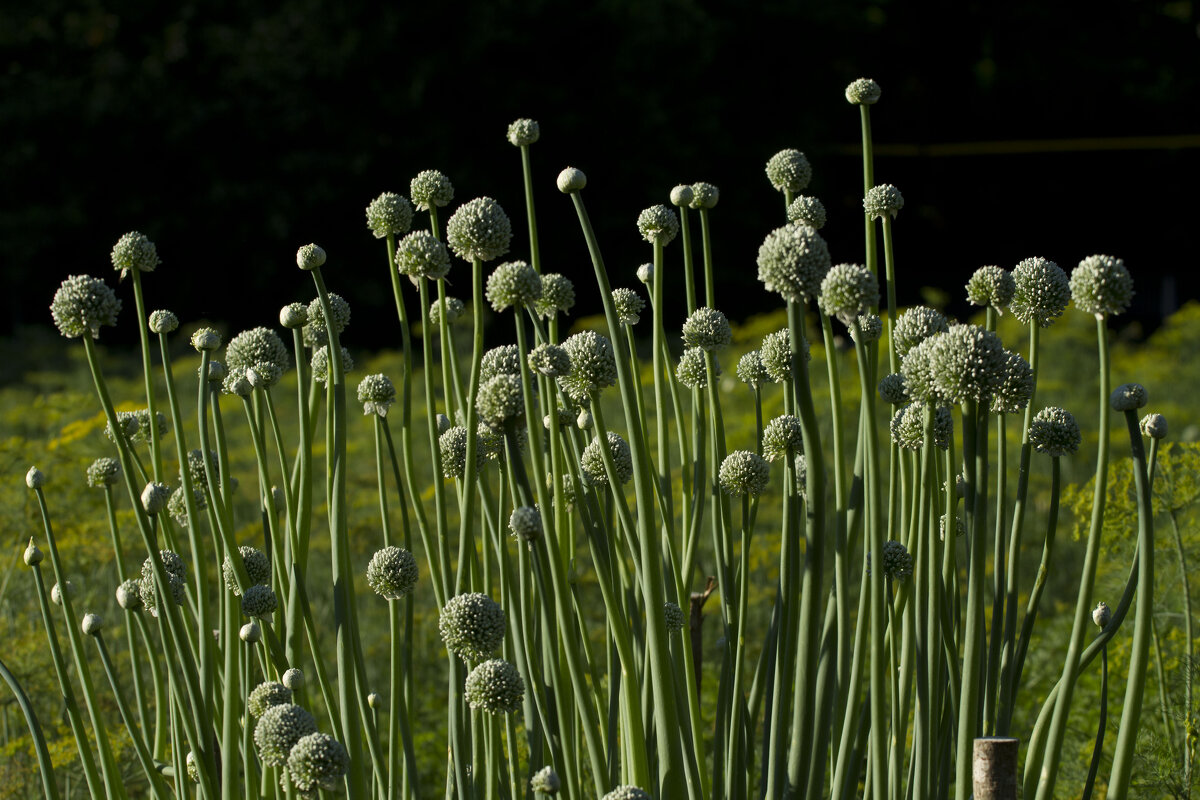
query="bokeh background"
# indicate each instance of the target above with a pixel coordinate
(232, 132)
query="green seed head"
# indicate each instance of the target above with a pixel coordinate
(868, 329)
(707, 329)
(129, 595)
(808, 211)
(453, 447)
(494, 686)
(236, 383)
(545, 781)
(1154, 426)
(479, 229)
(704, 195)
(863, 92)
(278, 730)
(134, 251)
(682, 195)
(908, 427)
(1129, 397)
(526, 523)
(897, 563)
(472, 626)
(782, 437)
(103, 472)
(82, 305)
(193, 771)
(255, 348)
(177, 504)
(310, 257)
(422, 255)
(750, 369)
(550, 360)
(968, 363)
(629, 305)
(163, 321)
(258, 568)
(453, 310)
(991, 286)
(392, 572)
(389, 214)
(1101, 285)
(776, 351)
(893, 390)
(593, 365)
(915, 326)
(320, 363)
(259, 601)
(376, 393)
(513, 283)
(33, 555)
(792, 262)
(523, 132)
(558, 295)
(883, 200)
(499, 399)
(1016, 386)
(571, 180)
(1041, 291)
(626, 792)
(1054, 432)
(673, 616)
(658, 225)
(744, 473)
(317, 762)
(916, 367)
(316, 331)
(176, 577)
(293, 315)
(691, 371)
(430, 189)
(592, 462)
(789, 171)
(847, 291)
(269, 694)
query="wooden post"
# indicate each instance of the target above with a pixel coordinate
(995, 768)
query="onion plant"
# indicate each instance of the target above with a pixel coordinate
(563, 534)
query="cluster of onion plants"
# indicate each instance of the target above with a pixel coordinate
(900, 623)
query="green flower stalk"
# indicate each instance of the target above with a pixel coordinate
(1044, 304)
(113, 786)
(45, 766)
(1129, 401)
(522, 133)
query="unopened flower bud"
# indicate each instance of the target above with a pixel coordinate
(250, 633)
(163, 321)
(571, 180)
(309, 257)
(1102, 615)
(33, 555)
(35, 479)
(155, 497)
(92, 624)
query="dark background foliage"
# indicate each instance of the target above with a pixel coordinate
(232, 132)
